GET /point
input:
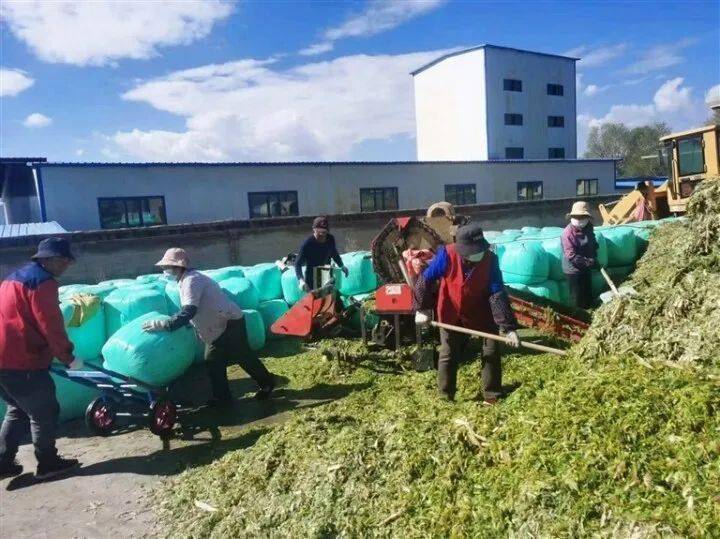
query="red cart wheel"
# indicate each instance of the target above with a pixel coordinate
(163, 416)
(100, 416)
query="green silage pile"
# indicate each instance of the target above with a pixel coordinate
(675, 317)
(606, 442)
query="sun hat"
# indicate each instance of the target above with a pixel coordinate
(175, 257)
(579, 209)
(470, 240)
(51, 247)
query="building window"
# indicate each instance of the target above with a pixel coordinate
(529, 190)
(555, 89)
(514, 153)
(129, 212)
(586, 187)
(273, 204)
(556, 153)
(690, 156)
(556, 121)
(512, 85)
(459, 194)
(513, 119)
(378, 198)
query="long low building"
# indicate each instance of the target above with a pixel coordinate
(88, 196)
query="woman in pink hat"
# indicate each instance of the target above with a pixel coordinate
(219, 323)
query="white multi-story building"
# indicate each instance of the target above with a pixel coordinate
(491, 102)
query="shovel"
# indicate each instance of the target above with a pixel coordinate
(614, 291)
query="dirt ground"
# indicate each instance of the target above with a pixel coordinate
(109, 495)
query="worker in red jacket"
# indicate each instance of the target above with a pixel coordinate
(32, 333)
(471, 295)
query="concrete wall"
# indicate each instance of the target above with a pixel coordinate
(536, 72)
(130, 252)
(201, 193)
(450, 109)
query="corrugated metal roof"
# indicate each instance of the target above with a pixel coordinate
(30, 229)
(15, 160)
(488, 46)
(311, 163)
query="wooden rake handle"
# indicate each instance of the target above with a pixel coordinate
(498, 338)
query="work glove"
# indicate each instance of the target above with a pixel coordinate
(422, 319)
(513, 339)
(303, 286)
(76, 364)
(345, 271)
(155, 325)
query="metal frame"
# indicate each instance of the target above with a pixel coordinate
(527, 183)
(125, 199)
(463, 186)
(555, 85)
(397, 198)
(702, 154)
(580, 180)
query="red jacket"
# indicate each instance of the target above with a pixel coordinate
(466, 301)
(32, 331)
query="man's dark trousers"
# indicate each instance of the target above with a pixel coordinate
(31, 405)
(452, 346)
(232, 347)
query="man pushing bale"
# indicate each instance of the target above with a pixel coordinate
(219, 323)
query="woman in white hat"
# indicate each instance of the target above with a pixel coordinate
(580, 249)
(218, 322)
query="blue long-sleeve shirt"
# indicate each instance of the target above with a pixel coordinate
(312, 254)
(439, 264)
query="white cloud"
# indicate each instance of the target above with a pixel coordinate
(670, 97)
(102, 31)
(713, 95)
(250, 110)
(13, 81)
(598, 56)
(660, 57)
(592, 90)
(79, 152)
(37, 119)
(379, 16)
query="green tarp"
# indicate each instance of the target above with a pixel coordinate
(155, 358)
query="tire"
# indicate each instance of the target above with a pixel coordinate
(100, 416)
(163, 416)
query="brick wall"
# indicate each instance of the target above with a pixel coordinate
(110, 254)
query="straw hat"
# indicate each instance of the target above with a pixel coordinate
(579, 209)
(175, 257)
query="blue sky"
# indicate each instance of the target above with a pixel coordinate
(277, 81)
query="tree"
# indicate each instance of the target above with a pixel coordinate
(714, 118)
(629, 145)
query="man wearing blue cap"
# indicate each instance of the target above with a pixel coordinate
(32, 333)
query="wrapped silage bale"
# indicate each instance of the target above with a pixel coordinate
(553, 249)
(603, 256)
(642, 239)
(512, 233)
(564, 292)
(126, 304)
(221, 274)
(151, 278)
(172, 297)
(524, 262)
(267, 280)
(241, 291)
(547, 289)
(530, 231)
(291, 287)
(270, 311)
(361, 274)
(73, 398)
(255, 328)
(99, 290)
(551, 231)
(118, 283)
(156, 358)
(621, 246)
(89, 337)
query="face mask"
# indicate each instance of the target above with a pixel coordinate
(580, 223)
(170, 273)
(477, 257)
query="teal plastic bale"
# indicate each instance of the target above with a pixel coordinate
(255, 327)
(150, 278)
(642, 239)
(530, 230)
(290, 287)
(221, 274)
(267, 279)
(156, 358)
(172, 297)
(564, 291)
(551, 231)
(241, 291)
(524, 262)
(89, 337)
(516, 286)
(119, 283)
(602, 254)
(126, 304)
(270, 311)
(547, 289)
(69, 289)
(99, 290)
(73, 398)
(361, 274)
(512, 232)
(621, 246)
(553, 249)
